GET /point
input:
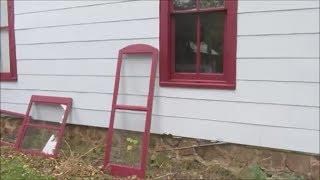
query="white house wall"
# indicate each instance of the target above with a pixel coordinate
(69, 48)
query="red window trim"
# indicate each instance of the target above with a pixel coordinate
(12, 75)
(169, 78)
(59, 129)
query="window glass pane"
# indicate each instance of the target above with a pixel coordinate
(3, 13)
(126, 144)
(211, 3)
(212, 32)
(135, 72)
(4, 51)
(43, 140)
(185, 43)
(184, 4)
(47, 113)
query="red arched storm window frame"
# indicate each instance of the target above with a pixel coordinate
(195, 20)
(7, 25)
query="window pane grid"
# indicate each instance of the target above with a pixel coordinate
(213, 46)
(200, 69)
(8, 68)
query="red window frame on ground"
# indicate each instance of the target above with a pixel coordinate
(168, 76)
(59, 129)
(12, 75)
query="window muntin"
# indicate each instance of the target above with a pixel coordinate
(198, 44)
(8, 69)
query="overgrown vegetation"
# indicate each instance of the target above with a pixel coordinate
(81, 157)
(15, 166)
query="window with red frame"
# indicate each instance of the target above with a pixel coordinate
(198, 43)
(8, 68)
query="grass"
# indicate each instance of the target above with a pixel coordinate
(15, 167)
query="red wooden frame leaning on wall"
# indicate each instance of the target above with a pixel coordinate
(168, 76)
(59, 128)
(12, 75)
(14, 114)
(121, 170)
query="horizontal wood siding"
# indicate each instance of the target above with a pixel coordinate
(69, 48)
(304, 70)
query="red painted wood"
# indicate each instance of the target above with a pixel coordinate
(168, 76)
(12, 75)
(132, 108)
(59, 128)
(119, 170)
(51, 100)
(125, 170)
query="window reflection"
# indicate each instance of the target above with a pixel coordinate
(211, 3)
(185, 46)
(211, 47)
(184, 4)
(43, 140)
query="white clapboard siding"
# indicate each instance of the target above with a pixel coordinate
(291, 93)
(258, 135)
(245, 6)
(91, 14)
(297, 45)
(213, 110)
(114, 30)
(299, 70)
(36, 6)
(264, 23)
(283, 46)
(281, 22)
(96, 49)
(70, 49)
(84, 67)
(97, 14)
(247, 91)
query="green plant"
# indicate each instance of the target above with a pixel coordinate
(253, 172)
(15, 168)
(132, 150)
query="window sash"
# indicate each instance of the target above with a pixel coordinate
(197, 74)
(12, 74)
(170, 78)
